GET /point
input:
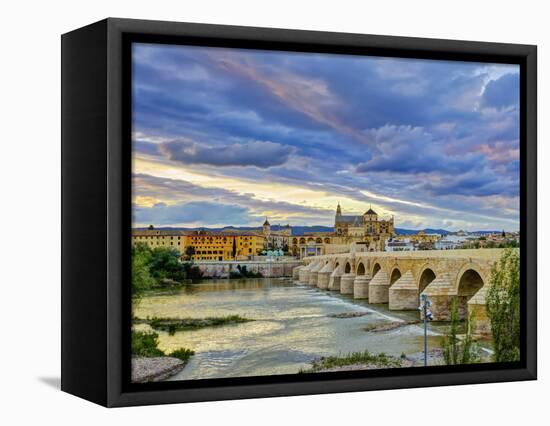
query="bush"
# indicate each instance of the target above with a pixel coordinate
(182, 353)
(192, 272)
(145, 344)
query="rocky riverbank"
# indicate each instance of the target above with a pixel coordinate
(376, 328)
(155, 369)
(366, 361)
(349, 314)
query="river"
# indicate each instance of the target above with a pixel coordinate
(292, 326)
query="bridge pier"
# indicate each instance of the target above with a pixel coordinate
(441, 293)
(379, 288)
(478, 308)
(323, 276)
(335, 277)
(361, 286)
(296, 272)
(403, 294)
(313, 274)
(346, 283)
(303, 274)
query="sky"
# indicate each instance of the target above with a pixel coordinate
(231, 136)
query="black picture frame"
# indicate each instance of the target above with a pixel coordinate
(96, 211)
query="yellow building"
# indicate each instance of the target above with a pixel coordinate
(160, 238)
(224, 246)
(206, 245)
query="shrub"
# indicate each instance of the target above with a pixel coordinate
(182, 353)
(145, 344)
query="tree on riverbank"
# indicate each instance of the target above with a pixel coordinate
(456, 350)
(503, 307)
(141, 277)
(158, 268)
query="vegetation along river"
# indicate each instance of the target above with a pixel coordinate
(293, 325)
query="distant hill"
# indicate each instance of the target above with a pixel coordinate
(401, 231)
(301, 230)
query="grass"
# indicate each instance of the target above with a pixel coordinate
(182, 353)
(146, 344)
(380, 360)
(171, 325)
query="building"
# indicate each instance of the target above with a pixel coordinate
(224, 245)
(400, 245)
(311, 244)
(160, 238)
(274, 240)
(368, 230)
(206, 245)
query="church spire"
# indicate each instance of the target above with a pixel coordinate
(338, 210)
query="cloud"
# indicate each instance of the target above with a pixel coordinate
(207, 213)
(412, 150)
(257, 153)
(479, 183)
(503, 92)
(433, 133)
(178, 191)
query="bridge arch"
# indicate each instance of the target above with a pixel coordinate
(425, 278)
(395, 275)
(376, 267)
(469, 282)
(360, 269)
(347, 268)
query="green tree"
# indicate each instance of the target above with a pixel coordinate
(165, 264)
(503, 306)
(141, 278)
(455, 350)
(189, 252)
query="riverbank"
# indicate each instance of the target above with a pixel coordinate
(155, 369)
(366, 361)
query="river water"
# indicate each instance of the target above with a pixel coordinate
(292, 326)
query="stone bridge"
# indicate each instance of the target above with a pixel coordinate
(398, 279)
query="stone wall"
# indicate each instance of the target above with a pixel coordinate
(221, 269)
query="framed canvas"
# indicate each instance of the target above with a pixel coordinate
(256, 212)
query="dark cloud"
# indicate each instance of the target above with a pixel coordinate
(478, 183)
(257, 153)
(503, 92)
(147, 148)
(411, 150)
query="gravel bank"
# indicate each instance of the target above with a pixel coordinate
(155, 369)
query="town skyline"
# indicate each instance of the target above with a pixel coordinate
(227, 137)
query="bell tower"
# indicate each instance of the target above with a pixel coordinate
(266, 227)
